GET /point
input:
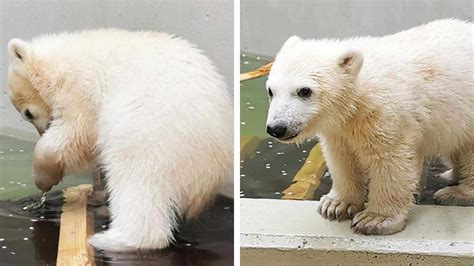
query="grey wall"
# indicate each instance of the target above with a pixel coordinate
(207, 23)
(266, 24)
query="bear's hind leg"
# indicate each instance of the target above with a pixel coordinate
(142, 212)
(461, 194)
(144, 198)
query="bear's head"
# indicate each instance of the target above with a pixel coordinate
(23, 95)
(310, 87)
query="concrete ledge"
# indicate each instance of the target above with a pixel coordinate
(295, 226)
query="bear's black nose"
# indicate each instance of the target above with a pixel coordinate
(277, 131)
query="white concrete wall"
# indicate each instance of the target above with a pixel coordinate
(266, 24)
(207, 23)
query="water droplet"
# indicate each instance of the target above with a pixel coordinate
(246, 62)
(4, 247)
(2, 239)
(21, 150)
(242, 123)
(31, 228)
(226, 208)
(25, 238)
(251, 107)
(242, 175)
(277, 193)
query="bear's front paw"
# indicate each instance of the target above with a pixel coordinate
(47, 172)
(109, 241)
(335, 208)
(369, 223)
(460, 195)
(115, 241)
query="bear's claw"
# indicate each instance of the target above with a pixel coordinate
(369, 223)
(337, 209)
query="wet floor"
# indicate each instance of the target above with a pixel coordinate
(31, 238)
(267, 167)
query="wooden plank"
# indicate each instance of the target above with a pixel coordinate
(248, 144)
(259, 72)
(308, 178)
(75, 228)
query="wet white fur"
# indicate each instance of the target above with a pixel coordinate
(157, 113)
(380, 105)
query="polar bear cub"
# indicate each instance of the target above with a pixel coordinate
(148, 108)
(380, 106)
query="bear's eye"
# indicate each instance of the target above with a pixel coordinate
(305, 92)
(28, 114)
(270, 92)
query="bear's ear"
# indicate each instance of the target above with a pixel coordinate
(18, 51)
(351, 61)
(292, 41)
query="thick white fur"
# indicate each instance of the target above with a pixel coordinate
(148, 108)
(380, 105)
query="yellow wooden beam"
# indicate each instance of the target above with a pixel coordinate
(259, 72)
(308, 178)
(75, 228)
(248, 144)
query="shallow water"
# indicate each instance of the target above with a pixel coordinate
(267, 167)
(31, 237)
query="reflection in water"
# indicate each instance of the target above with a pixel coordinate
(30, 237)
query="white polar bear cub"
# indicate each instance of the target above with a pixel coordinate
(380, 106)
(148, 108)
